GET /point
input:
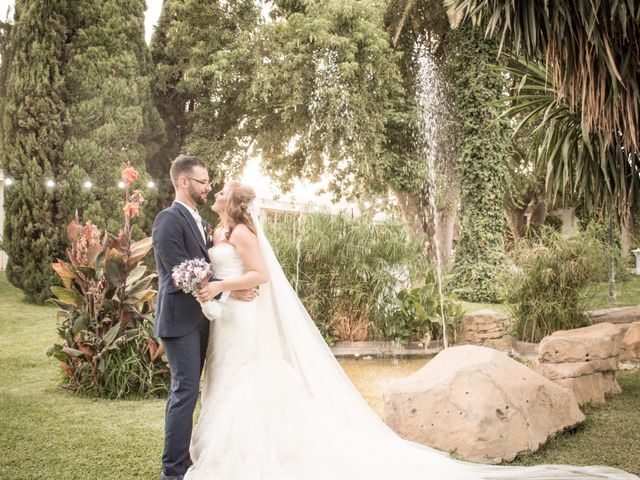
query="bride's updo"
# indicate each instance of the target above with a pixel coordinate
(238, 200)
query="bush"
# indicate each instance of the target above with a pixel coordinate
(549, 294)
(346, 270)
(106, 312)
(419, 316)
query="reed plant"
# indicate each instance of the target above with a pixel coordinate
(551, 290)
(347, 270)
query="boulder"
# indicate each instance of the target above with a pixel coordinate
(485, 326)
(584, 360)
(595, 342)
(616, 315)
(592, 388)
(481, 404)
(631, 342)
(557, 371)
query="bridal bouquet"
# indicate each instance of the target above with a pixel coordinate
(193, 274)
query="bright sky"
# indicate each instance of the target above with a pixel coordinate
(303, 192)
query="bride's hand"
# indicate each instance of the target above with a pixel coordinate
(208, 292)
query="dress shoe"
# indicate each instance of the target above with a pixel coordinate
(170, 477)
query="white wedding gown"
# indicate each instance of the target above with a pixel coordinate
(277, 406)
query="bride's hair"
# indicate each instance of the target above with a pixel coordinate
(237, 206)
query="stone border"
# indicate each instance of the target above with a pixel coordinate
(384, 349)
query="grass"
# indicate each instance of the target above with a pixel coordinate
(49, 433)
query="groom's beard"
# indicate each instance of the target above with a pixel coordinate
(199, 198)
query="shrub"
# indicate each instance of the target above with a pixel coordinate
(346, 270)
(549, 294)
(419, 316)
(106, 312)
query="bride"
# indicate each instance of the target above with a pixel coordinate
(276, 405)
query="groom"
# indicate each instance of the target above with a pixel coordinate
(178, 235)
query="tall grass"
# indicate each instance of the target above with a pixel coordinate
(346, 270)
(552, 291)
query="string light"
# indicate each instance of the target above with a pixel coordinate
(88, 184)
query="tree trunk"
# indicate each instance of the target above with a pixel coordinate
(417, 213)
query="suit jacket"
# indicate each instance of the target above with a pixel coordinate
(176, 238)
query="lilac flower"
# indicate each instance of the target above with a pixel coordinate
(191, 274)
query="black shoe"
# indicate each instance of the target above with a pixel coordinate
(170, 477)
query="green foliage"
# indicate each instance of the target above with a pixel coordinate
(205, 54)
(34, 117)
(76, 106)
(591, 52)
(324, 92)
(419, 315)
(550, 294)
(345, 270)
(112, 120)
(578, 163)
(106, 316)
(479, 263)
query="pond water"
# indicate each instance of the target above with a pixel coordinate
(372, 377)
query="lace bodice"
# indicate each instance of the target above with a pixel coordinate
(226, 261)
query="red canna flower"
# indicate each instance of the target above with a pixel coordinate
(131, 209)
(129, 175)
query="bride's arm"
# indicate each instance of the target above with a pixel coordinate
(246, 244)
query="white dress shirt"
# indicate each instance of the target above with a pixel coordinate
(194, 213)
(198, 219)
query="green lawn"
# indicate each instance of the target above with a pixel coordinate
(48, 433)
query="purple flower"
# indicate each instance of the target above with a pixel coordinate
(191, 274)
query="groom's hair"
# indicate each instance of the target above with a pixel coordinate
(183, 164)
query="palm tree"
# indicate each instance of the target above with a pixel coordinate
(592, 50)
(598, 172)
(586, 93)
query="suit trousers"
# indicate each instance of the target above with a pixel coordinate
(186, 356)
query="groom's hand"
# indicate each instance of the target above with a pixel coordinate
(245, 295)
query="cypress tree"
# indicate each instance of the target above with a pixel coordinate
(113, 122)
(170, 47)
(33, 124)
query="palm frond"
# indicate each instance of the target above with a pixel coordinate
(591, 49)
(601, 172)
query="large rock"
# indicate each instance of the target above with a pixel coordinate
(631, 342)
(481, 404)
(557, 371)
(592, 388)
(584, 360)
(620, 315)
(486, 327)
(595, 342)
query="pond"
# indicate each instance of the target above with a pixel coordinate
(372, 376)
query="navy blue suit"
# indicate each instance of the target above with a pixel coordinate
(183, 328)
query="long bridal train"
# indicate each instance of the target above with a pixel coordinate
(278, 406)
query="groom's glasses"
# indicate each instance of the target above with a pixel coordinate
(201, 182)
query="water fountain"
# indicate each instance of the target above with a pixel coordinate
(429, 94)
